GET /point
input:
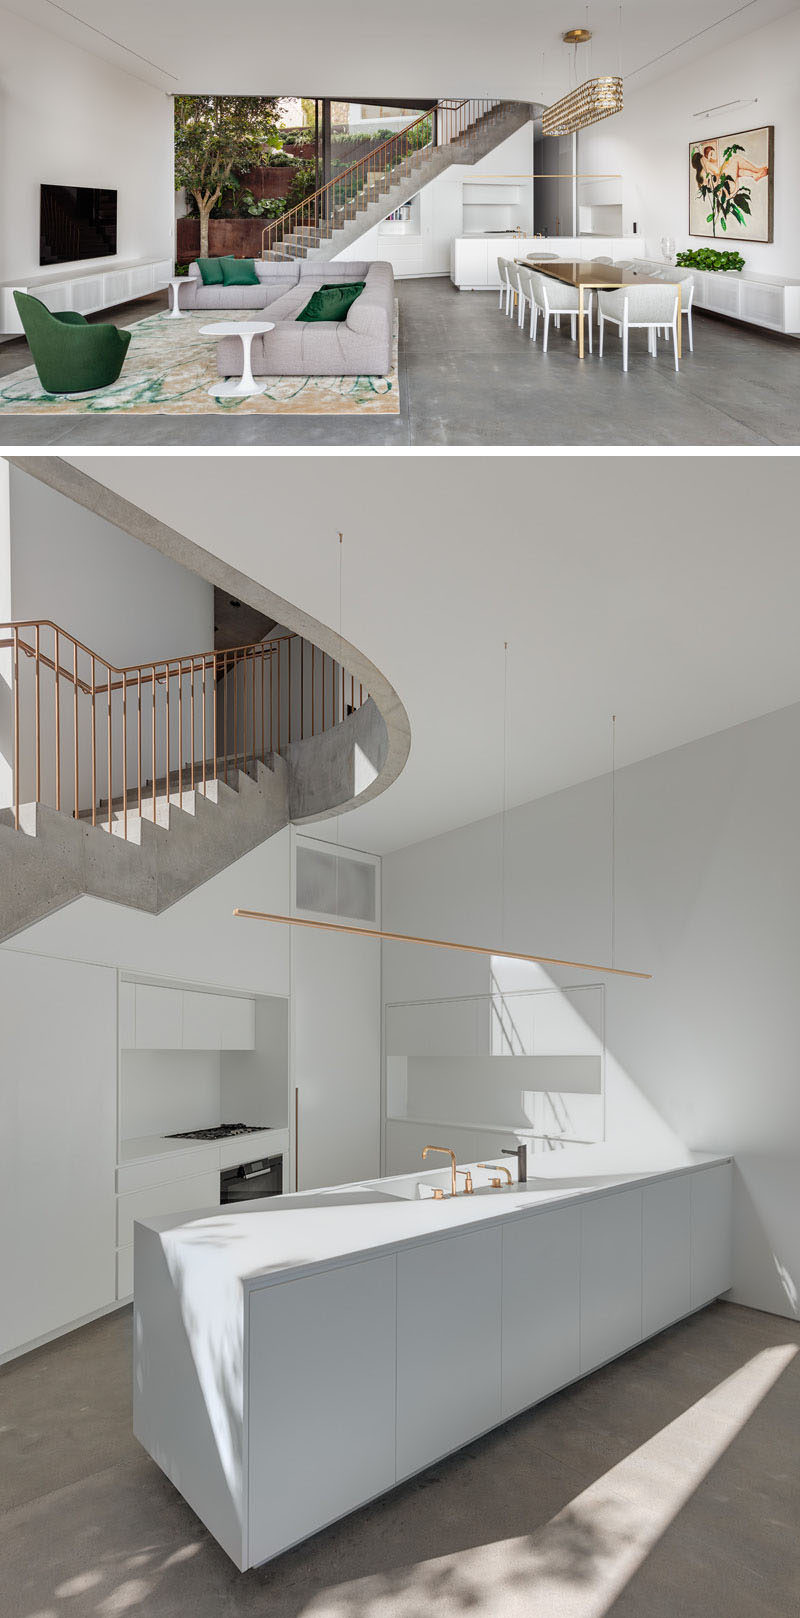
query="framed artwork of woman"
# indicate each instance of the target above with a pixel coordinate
(731, 186)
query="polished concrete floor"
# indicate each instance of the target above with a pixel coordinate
(666, 1485)
(468, 376)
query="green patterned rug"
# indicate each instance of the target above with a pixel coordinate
(169, 368)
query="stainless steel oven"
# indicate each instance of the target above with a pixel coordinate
(261, 1178)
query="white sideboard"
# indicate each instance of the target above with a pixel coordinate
(473, 259)
(761, 300)
(85, 290)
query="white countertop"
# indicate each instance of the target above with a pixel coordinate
(140, 1148)
(271, 1239)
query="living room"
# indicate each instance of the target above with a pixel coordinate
(423, 352)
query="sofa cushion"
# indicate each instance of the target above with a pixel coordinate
(332, 302)
(223, 297)
(210, 271)
(238, 272)
(345, 269)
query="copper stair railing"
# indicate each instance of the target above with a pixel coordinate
(80, 727)
(449, 123)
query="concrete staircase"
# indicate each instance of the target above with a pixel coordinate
(321, 238)
(148, 864)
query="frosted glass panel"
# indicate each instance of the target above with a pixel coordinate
(526, 1061)
(334, 885)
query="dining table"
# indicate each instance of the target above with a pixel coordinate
(586, 274)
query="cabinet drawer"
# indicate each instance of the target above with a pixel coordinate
(711, 1232)
(125, 1272)
(163, 1170)
(722, 295)
(199, 1191)
(541, 1306)
(762, 304)
(243, 1148)
(665, 1253)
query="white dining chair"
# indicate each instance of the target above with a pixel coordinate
(527, 279)
(633, 308)
(516, 291)
(687, 295)
(601, 260)
(555, 298)
(505, 285)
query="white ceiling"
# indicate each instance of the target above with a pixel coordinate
(356, 48)
(661, 589)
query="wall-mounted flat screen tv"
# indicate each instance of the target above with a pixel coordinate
(76, 221)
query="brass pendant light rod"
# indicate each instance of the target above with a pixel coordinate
(436, 943)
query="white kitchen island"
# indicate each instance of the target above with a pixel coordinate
(298, 1356)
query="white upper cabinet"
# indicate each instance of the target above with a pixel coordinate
(611, 1277)
(159, 1018)
(164, 1019)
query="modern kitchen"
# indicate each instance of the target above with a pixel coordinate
(402, 1217)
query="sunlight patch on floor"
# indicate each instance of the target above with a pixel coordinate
(577, 1564)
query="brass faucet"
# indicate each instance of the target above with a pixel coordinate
(452, 1156)
(500, 1168)
(468, 1186)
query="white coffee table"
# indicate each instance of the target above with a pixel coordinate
(247, 330)
(175, 311)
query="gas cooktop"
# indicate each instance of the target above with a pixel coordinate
(219, 1132)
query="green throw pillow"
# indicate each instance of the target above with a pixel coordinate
(238, 272)
(210, 271)
(332, 302)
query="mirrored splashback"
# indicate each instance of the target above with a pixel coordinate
(489, 1069)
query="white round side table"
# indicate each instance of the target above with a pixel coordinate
(175, 311)
(247, 330)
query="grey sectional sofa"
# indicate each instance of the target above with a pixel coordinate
(360, 345)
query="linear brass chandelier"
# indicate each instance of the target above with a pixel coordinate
(435, 943)
(591, 101)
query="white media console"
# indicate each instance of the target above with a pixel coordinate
(85, 290)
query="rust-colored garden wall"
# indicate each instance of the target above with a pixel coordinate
(241, 237)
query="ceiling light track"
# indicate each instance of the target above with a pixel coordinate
(436, 943)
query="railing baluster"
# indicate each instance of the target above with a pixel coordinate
(58, 722)
(204, 666)
(235, 711)
(76, 748)
(225, 713)
(253, 687)
(214, 721)
(191, 716)
(125, 754)
(168, 722)
(271, 706)
(16, 728)
(109, 744)
(139, 740)
(263, 753)
(153, 742)
(313, 686)
(180, 734)
(279, 696)
(38, 726)
(94, 744)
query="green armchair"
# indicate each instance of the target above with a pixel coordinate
(70, 355)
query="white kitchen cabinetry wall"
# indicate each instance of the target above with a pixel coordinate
(57, 1144)
(541, 1307)
(336, 1432)
(611, 1277)
(448, 1345)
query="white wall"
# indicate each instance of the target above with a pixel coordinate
(120, 598)
(441, 211)
(708, 895)
(68, 118)
(648, 143)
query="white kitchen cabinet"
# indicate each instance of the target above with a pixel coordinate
(448, 1346)
(711, 1233)
(159, 1018)
(127, 1015)
(57, 1144)
(541, 1307)
(237, 1023)
(125, 1272)
(321, 1402)
(201, 1021)
(666, 1292)
(193, 1191)
(611, 1277)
